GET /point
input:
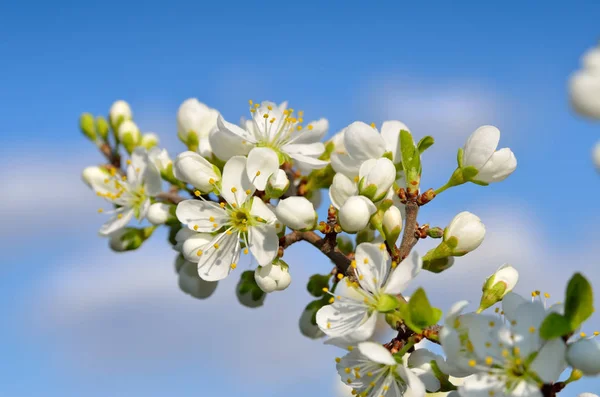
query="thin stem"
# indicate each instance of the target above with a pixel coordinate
(443, 188)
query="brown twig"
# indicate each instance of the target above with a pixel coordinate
(410, 236)
(341, 261)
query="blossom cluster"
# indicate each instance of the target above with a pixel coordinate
(242, 193)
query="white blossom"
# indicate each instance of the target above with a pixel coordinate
(119, 111)
(353, 313)
(272, 277)
(297, 213)
(480, 152)
(159, 213)
(341, 189)
(584, 86)
(94, 175)
(195, 121)
(131, 192)
(242, 217)
(277, 184)
(355, 214)
(584, 355)
(465, 233)
(498, 285)
(160, 158)
(392, 223)
(275, 129)
(194, 169)
(371, 370)
(376, 177)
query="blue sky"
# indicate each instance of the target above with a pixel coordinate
(83, 321)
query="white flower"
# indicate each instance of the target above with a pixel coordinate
(277, 184)
(131, 193)
(194, 169)
(360, 142)
(94, 175)
(149, 140)
(587, 395)
(275, 129)
(183, 234)
(341, 189)
(596, 155)
(297, 213)
(584, 86)
(354, 311)
(376, 177)
(356, 213)
(191, 283)
(480, 152)
(465, 233)
(195, 121)
(508, 359)
(119, 111)
(372, 371)
(584, 355)
(159, 213)
(498, 285)
(392, 224)
(242, 217)
(272, 277)
(160, 158)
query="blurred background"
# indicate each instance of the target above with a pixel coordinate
(79, 319)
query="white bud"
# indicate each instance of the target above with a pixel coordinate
(297, 213)
(194, 169)
(183, 234)
(94, 175)
(591, 60)
(115, 242)
(277, 184)
(341, 189)
(195, 118)
(392, 224)
(376, 178)
(480, 152)
(464, 234)
(119, 111)
(160, 158)
(272, 277)
(356, 213)
(315, 197)
(159, 213)
(129, 135)
(587, 395)
(191, 283)
(498, 285)
(584, 355)
(149, 140)
(596, 156)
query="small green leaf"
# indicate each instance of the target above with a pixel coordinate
(387, 303)
(555, 326)
(316, 283)
(411, 160)
(421, 312)
(579, 303)
(425, 143)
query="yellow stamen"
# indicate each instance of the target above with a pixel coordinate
(331, 300)
(394, 264)
(489, 360)
(195, 227)
(100, 210)
(582, 334)
(199, 253)
(128, 162)
(233, 266)
(531, 329)
(211, 219)
(216, 246)
(257, 173)
(472, 363)
(310, 127)
(347, 370)
(325, 289)
(246, 251)
(211, 181)
(340, 276)
(353, 264)
(350, 348)
(233, 189)
(337, 359)
(373, 125)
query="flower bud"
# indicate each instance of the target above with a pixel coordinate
(297, 213)
(392, 225)
(464, 234)
(195, 121)
(587, 395)
(119, 112)
(194, 169)
(376, 178)
(356, 213)
(129, 135)
(438, 265)
(102, 127)
(584, 355)
(94, 175)
(341, 189)
(182, 234)
(160, 158)
(273, 277)
(126, 239)
(149, 140)
(87, 126)
(191, 283)
(160, 213)
(497, 285)
(277, 184)
(248, 292)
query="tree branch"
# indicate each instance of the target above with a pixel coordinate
(341, 261)
(409, 238)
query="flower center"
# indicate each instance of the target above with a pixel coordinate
(240, 219)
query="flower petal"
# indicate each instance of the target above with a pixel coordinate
(403, 274)
(363, 142)
(373, 263)
(377, 353)
(342, 163)
(201, 216)
(499, 166)
(341, 319)
(263, 243)
(390, 132)
(261, 164)
(529, 317)
(118, 221)
(482, 385)
(360, 334)
(260, 209)
(341, 189)
(215, 263)
(307, 162)
(225, 144)
(314, 149)
(415, 388)
(510, 303)
(550, 361)
(480, 146)
(196, 242)
(236, 182)
(315, 134)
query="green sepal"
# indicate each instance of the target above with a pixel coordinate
(389, 156)
(411, 160)
(102, 127)
(438, 265)
(425, 143)
(387, 303)
(418, 312)
(445, 384)
(492, 295)
(459, 157)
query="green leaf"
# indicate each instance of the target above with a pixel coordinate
(173, 232)
(421, 311)
(411, 160)
(316, 283)
(579, 303)
(555, 326)
(425, 143)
